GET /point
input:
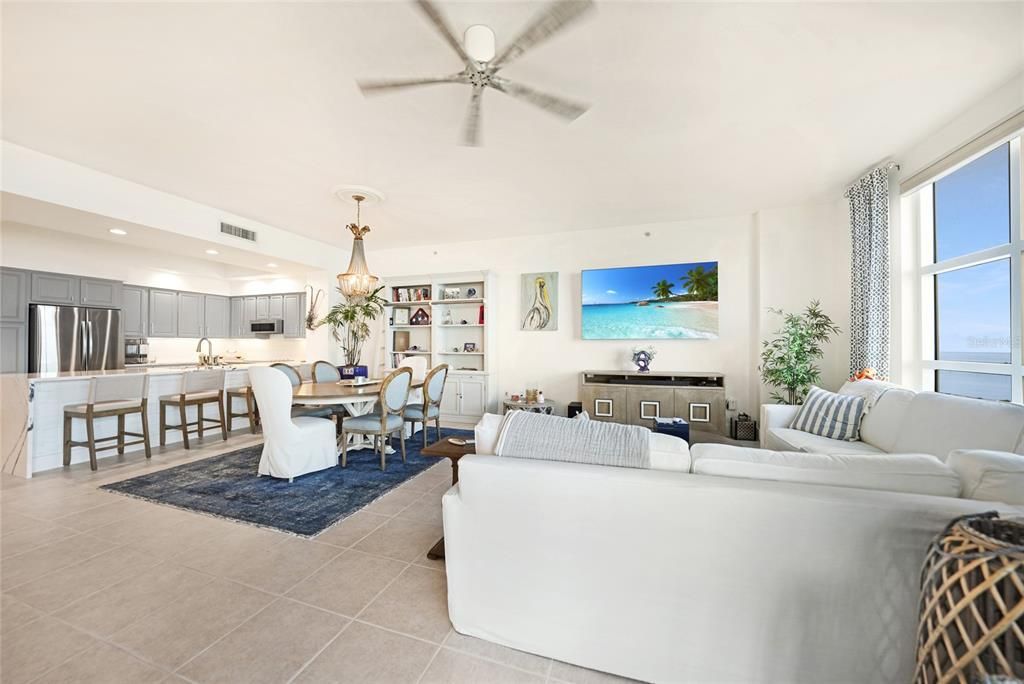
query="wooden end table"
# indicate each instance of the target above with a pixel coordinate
(445, 449)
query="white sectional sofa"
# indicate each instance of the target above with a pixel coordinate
(665, 575)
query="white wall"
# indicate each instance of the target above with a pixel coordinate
(909, 335)
(763, 261)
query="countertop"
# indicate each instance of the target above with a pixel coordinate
(150, 369)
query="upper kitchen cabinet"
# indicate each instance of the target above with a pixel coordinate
(275, 308)
(217, 316)
(294, 315)
(262, 308)
(53, 288)
(135, 311)
(101, 293)
(163, 313)
(237, 316)
(13, 295)
(249, 309)
(191, 317)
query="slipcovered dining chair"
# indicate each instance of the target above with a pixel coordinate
(394, 395)
(292, 446)
(430, 408)
(295, 379)
(418, 366)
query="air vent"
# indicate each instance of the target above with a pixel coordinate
(238, 231)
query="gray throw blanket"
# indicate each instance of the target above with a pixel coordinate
(552, 438)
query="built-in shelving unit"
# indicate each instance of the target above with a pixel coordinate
(457, 330)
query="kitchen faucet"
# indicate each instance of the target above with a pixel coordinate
(208, 359)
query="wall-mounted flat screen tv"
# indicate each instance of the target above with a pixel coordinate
(669, 302)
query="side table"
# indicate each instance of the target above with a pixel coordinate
(453, 452)
(549, 407)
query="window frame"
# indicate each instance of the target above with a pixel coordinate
(922, 207)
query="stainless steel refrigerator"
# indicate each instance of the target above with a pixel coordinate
(74, 338)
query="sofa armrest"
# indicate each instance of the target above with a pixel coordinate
(776, 416)
(989, 475)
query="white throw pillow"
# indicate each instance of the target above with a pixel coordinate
(989, 475)
(831, 415)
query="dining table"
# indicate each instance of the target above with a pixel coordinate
(357, 399)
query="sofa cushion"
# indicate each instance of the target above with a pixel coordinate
(909, 473)
(939, 423)
(884, 411)
(830, 415)
(989, 475)
(790, 439)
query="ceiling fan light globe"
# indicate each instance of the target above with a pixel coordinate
(479, 42)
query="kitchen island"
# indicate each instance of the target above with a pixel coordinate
(32, 412)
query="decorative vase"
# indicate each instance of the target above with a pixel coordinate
(354, 371)
(642, 359)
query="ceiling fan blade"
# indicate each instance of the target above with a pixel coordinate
(375, 87)
(471, 130)
(435, 17)
(552, 103)
(550, 21)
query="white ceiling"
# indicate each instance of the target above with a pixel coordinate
(697, 109)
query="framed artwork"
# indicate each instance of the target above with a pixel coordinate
(538, 301)
(452, 293)
(401, 316)
(669, 301)
(401, 340)
(469, 347)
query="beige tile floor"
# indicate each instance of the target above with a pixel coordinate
(97, 587)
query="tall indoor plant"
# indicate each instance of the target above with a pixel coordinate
(789, 360)
(350, 323)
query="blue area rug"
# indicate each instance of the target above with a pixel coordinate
(227, 486)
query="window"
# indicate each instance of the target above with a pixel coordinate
(972, 247)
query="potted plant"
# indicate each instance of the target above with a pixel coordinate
(789, 360)
(350, 325)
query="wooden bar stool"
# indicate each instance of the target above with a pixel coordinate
(198, 388)
(115, 395)
(245, 394)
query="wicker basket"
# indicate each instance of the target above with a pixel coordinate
(972, 603)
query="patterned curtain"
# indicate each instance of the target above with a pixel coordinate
(869, 273)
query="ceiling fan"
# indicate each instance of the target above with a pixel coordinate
(482, 67)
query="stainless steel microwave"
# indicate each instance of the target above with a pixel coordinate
(270, 326)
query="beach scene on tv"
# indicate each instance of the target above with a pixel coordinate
(673, 301)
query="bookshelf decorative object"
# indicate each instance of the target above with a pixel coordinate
(447, 325)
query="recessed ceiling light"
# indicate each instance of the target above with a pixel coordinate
(271, 265)
(212, 251)
(118, 231)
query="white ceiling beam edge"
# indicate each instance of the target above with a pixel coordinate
(42, 177)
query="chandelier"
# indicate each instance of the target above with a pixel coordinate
(357, 281)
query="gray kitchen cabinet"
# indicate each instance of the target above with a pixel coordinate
(191, 319)
(13, 348)
(249, 309)
(275, 308)
(294, 315)
(163, 313)
(53, 288)
(217, 316)
(262, 308)
(237, 314)
(13, 295)
(135, 311)
(101, 293)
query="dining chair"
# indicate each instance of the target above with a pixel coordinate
(197, 388)
(430, 408)
(116, 395)
(418, 365)
(394, 395)
(295, 378)
(325, 371)
(292, 446)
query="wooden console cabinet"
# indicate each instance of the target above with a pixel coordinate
(637, 398)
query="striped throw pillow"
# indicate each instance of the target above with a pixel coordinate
(830, 415)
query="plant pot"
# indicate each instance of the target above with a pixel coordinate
(354, 371)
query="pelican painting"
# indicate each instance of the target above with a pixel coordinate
(539, 301)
